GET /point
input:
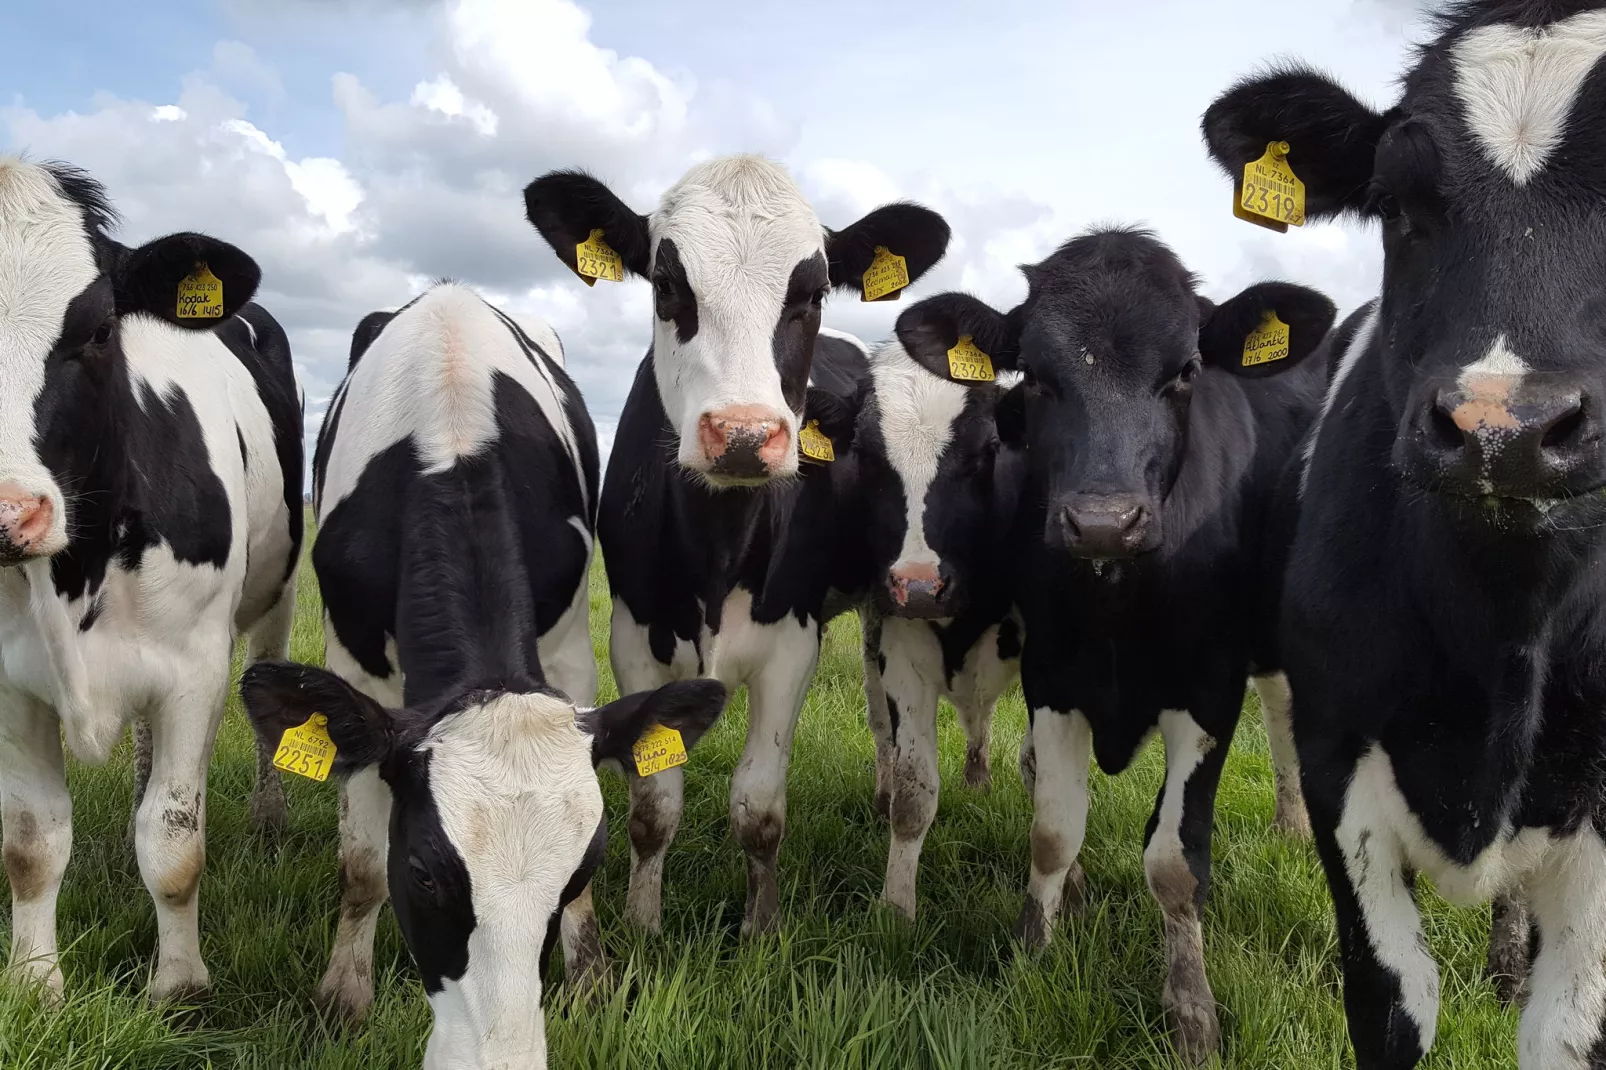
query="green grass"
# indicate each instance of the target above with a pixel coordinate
(843, 984)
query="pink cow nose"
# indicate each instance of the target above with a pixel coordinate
(916, 589)
(744, 441)
(25, 521)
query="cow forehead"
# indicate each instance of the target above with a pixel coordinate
(514, 787)
(737, 220)
(46, 259)
(1519, 86)
(916, 413)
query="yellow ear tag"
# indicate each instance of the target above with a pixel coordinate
(1270, 195)
(815, 444)
(659, 748)
(306, 750)
(595, 259)
(1266, 343)
(969, 364)
(200, 295)
(886, 276)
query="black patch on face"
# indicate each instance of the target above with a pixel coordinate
(430, 887)
(799, 325)
(672, 296)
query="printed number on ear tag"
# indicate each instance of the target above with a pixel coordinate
(595, 259)
(200, 295)
(815, 444)
(969, 364)
(306, 750)
(886, 276)
(659, 748)
(1266, 343)
(1270, 195)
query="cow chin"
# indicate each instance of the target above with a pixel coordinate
(459, 1041)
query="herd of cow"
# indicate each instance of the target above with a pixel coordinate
(1395, 527)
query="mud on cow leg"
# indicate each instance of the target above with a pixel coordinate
(1063, 745)
(655, 807)
(269, 639)
(877, 713)
(36, 815)
(585, 965)
(1276, 709)
(347, 988)
(1510, 943)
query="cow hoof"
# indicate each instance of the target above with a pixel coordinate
(180, 993)
(1074, 899)
(978, 774)
(902, 905)
(349, 1003)
(590, 977)
(45, 982)
(1195, 1031)
(1032, 928)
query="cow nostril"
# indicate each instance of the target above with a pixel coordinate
(1443, 429)
(1564, 428)
(1132, 518)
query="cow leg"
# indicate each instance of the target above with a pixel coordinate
(758, 787)
(140, 730)
(1027, 759)
(36, 816)
(269, 639)
(1276, 709)
(347, 987)
(876, 712)
(170, 827)
(1562, 1023)
(913, 671)
(570, 664)
(975, 693)
(1510, 932)
(655, 801)
(1063, 745)
(1391, 983)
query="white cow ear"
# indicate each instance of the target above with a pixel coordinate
(281, 695)
(688, 706)
(189, 280)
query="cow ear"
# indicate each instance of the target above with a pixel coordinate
(566, 206)
(835, 416)
(280, 695)
(690, 707)
(1332, 137)
(929, 329)
(911, 231)
(1225, 338)
(367, 330)
(162, 278)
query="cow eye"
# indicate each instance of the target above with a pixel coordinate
(102, 335)
(421, 875)
(663, 289)
(818, 297)
(1182, 385)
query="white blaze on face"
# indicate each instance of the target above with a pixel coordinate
(513, 783)
(1518, 85)
(916, 411)
(741, 226)
(46, 260)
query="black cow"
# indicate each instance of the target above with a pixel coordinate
(456, 480)
(1142, 545)
(710, 574)
(1444, 626)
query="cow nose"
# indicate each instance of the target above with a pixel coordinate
(1107, 525)
(917, 590)
(1510, 436)
(744, 441)
(25, 522)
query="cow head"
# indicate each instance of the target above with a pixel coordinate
(496, 824)
(1109, 343)
(68, 296)
(739, 267)
(940, 471)
(1487, 178)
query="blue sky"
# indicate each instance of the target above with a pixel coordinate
(358, 148)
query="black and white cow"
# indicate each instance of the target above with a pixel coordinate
(1445, 608)
(150, 508)
(935, 486)
(1140, 546)
(456, 485)
(694, 527)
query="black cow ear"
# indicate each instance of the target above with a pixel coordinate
(189, 280)
(835, 415)
(1243, 337)
(929, 329)
(280, 695)
(1332, 137)
(690, 707)
(367, 330)
(911, 231)
(566, 206)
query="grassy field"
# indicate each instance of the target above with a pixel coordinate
(844, 984)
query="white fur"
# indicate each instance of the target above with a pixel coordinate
(1357, 347)
(1064, 746)
(1518, 86)
(740, 225)
(1500, 362)
(162, 643)
(917, 414)
(517, 797)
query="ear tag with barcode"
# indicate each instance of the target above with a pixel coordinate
(1270, 195)
(306, 750)
(969, 364)
(595, 259)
